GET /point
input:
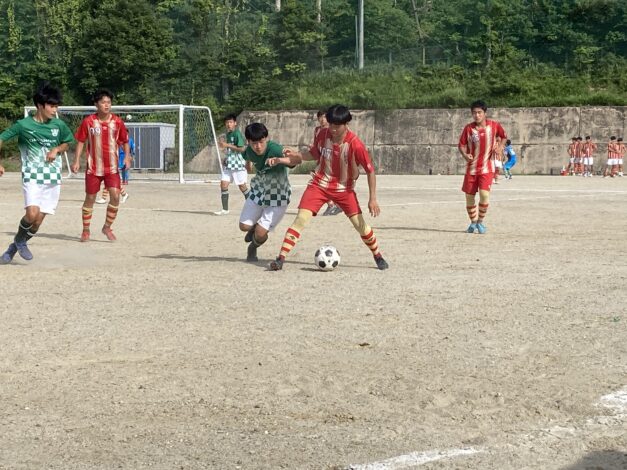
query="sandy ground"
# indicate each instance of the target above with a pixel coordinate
(166, 350)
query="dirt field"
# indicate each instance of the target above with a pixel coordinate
(165, 350)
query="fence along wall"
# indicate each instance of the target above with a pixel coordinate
(420, 141)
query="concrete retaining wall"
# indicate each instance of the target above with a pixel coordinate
(419, 141)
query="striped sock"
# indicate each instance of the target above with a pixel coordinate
(291, 237)
(246, 193)
(112, 212)
(87, 213)
(371, 242)
(472, 212)
(22, 231)
(105, 193)
(483, 208)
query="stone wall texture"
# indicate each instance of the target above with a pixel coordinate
(423, 141)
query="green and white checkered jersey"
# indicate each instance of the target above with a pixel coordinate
(270, 186)
(234, 160)
(35, 139)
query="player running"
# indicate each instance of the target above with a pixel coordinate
(479, 142)
(339, 153)
(42, 138)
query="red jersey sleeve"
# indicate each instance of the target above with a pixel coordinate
(82, 133)
(463, 138)
(362, 157)
(318, 142)
(123, 134)
(500, 132)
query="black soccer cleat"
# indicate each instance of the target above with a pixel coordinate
(276, 265)
(252, 253)
(381, 263)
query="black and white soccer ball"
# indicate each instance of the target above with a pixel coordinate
(327, 258)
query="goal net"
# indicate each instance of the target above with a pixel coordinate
(172, 142)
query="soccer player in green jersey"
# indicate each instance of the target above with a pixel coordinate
(233, 164)
(42, 139)
(270, 189)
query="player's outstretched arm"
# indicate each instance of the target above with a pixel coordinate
(373, 205)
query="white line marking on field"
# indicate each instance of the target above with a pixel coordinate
(616, 401)
(413, 459)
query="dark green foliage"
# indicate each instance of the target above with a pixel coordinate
(241, 54)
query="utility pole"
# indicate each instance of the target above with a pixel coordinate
(319, 10)
(277, 5)
(361, 34)
(421, 33)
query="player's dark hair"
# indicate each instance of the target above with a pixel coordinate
(587, 137)
(101, 93)
(613, 137)
(255, 132)
(322, 112)
(620, 139)
(230, 117)
(47, 93)
(338, 114)
(479, 104)
(579, 138)
(508, 142)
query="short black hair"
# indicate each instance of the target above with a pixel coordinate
(620, 139)
(587, 137)
(256, 131)
(338, 114)
(230, 117)
(508, 142)
(46, 93)
(579, 138)
(101, 93)
(479, 104)
(321, 112)
(613, 137)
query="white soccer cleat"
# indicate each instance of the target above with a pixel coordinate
(221, 212)
(124, 198)
(101, 200)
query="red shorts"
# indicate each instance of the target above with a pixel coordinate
(93, 182)
(315, 197)
(473, 183)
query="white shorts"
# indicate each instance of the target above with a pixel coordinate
(572, 160)
(267, 217)
(619, 161)
(238, 177)
(612, 161)
(498, 163)
(588, 161)
(44, 196)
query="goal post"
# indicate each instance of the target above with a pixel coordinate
(172, 141)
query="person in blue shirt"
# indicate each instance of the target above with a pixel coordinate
(510, 155)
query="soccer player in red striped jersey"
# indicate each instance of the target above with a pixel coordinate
(479, 142)
(620, 149)
(339, 153)
(103, 132)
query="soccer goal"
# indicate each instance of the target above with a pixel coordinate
(172, 142)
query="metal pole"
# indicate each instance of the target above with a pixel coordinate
(361, 34)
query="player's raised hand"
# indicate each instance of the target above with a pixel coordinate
(288, 152)
(274, 161)
(373, 207)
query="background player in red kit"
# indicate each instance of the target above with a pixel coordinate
(339, 153)
(480, 141)
(104, 132)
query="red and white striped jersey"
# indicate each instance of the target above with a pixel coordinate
(103, 140)
(613, 150)
(621, 150)
(571, 149)
(338, 164)
(589, 148)
(482, 144)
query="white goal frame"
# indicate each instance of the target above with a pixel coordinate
(121, 109)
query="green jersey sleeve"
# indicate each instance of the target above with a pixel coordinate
(11, 132)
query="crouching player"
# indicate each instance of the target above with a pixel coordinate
(339, 153)
(270, 189)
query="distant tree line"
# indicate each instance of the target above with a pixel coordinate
(236, 54)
